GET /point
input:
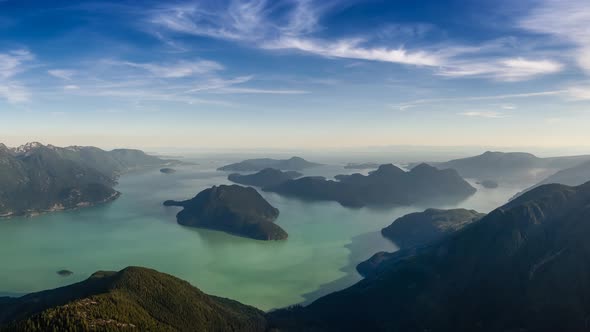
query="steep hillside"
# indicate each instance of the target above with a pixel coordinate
(134, 298)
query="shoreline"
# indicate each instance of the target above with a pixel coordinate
(81, 205)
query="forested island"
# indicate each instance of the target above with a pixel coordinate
(233, 209)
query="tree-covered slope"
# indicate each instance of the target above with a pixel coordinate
(234, 209)
(41, 180)
(134, 298)
(523, 267)
(388, 185)
(37, 178)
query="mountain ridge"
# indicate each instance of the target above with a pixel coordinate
(522, 267)
(388, 185)
(37, 178)
(255, 165)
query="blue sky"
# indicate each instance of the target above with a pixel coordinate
(295, 73)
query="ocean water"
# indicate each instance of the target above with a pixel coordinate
(325, 243)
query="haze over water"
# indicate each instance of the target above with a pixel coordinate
(325, 241)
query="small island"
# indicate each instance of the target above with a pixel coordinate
(233, 209)
(167, 170)
(64, 273)
(255, 165)
(266, 177)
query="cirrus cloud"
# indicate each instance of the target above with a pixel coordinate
(13, 63)
(264, 24)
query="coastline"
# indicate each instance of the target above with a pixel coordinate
(81, 205)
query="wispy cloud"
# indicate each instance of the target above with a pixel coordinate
(14, 93)
(219, 83)
(175, 70)
(512, 69)
(484, 114)
(250, 21)
(265, 25)
(566, 20)
(64, 74)
(13, 63)
(580, 92)
(428, 101)
(262, 91)
(240, 21)
(353, 49)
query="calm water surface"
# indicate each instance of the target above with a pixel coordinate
(325, 241)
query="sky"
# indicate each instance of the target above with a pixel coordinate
(295, 73)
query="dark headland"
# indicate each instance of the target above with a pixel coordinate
(420, 229)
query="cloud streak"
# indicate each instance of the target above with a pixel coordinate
(178, 69)
(257, 23)
(13, 63)
(63, 74)
(428, 101)
(484, 114)
(250, 21)
(509, 70)
(353, 49)
(565, 20)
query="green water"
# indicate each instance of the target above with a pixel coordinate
(325, 241)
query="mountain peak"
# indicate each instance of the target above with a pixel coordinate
(28, 147)
(423, 167)
(387, 169)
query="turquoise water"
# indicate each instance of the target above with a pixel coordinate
(325, 241)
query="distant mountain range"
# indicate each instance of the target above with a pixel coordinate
(36, 178)
(498, 166)
(255, 165)
(522, 267)
(573, 176)
(233, 209)
(388, 185)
